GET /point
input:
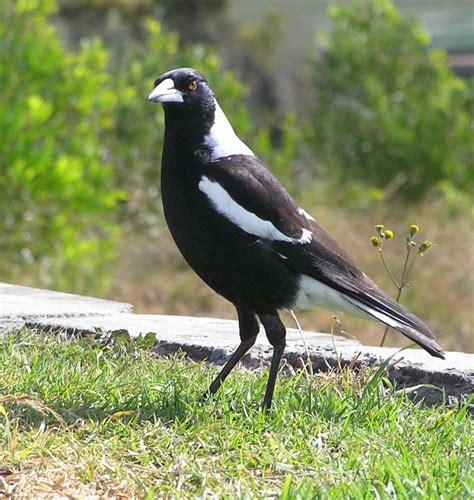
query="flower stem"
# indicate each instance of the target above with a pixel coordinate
(388, 269)
(403, 283)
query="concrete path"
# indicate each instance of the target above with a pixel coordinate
(25, 302)
(215, 339)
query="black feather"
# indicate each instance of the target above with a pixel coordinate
(252, 186)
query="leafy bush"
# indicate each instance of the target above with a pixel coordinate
(56, 192)
(388, 109)
(79, 136)
(137, 139)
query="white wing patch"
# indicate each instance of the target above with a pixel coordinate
(304, 213)
(245, 220)
(306, 236)
(222, 140)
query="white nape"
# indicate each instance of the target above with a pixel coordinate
(222, 140)
(304, 213)
(247, 221)
(312, 292)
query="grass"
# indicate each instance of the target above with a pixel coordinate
(82, 418)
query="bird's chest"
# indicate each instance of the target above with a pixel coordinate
(234, 263)
(196, 228)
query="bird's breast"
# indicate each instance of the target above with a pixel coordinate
(231, 261)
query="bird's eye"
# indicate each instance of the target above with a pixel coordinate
(192, 85)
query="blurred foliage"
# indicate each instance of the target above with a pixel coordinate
(57, 197)
(257, 55)
(80, 155)
(79, 136)
(195, 20)
(388, 111)
(136, 142)
(121, 22)
(251, 49)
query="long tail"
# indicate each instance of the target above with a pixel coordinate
(382, 308)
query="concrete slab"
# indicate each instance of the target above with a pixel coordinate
(24, 303)
(201, 338)
(208, 332)
(215, 339)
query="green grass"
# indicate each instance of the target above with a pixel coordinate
(85, 417)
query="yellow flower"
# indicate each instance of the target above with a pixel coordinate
(375, 240)
(413, 230)
(424, 247)
(379, 228)
(388, 233)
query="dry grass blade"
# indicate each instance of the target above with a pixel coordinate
(60, 483)
(309, 364)
(34, 404)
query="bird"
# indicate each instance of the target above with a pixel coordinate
(243, 234)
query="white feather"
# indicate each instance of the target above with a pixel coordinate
(374, 314)
(312, 292)
(222, 140)
(303, 212)
(245, 220)
(306, 236)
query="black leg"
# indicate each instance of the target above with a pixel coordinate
(248, 329)
(276, 334)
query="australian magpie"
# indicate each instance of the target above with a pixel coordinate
(243, 234)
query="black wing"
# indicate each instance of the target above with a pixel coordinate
(252, 186)
(255, 188)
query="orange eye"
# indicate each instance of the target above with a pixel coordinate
(192, 85)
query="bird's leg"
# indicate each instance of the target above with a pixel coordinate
(248, 329)
(276, 334)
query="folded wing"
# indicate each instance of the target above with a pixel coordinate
(246, 193)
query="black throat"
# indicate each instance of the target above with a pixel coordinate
(186, 126)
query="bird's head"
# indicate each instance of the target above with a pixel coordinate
(192, 112)
(182, 88)
(188, 103)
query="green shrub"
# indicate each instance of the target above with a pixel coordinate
(388, 110)
(57, 198)
(78, 136)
